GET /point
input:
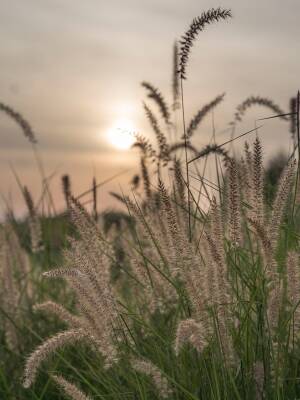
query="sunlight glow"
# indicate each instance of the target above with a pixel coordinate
(121, 134)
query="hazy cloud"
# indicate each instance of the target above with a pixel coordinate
(73, 67)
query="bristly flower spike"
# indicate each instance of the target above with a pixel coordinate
(198, 24)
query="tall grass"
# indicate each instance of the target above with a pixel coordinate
(191, 293)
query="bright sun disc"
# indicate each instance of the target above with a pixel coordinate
(120, 135)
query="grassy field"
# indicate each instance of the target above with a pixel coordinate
(188, 293)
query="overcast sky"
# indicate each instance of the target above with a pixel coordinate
(73, 68)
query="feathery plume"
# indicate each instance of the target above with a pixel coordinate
(69, 388)
(154, 94)
(184, 261)
(264, 239)
(88, 273)
(234, 204)
(259, 378)
(293, 285)
(226, 341)
(190, 331)
(217, 232)
(280, 202)
(257, 186)
(171, 218)
(148, 368)
(218, 272)
(9, 295)
(274, 303)
(59, 272)
(198, 118)
(17, 117)
(46, 349)
(198, 24)
(60, 312)
(293, 277)
(247, 176)
(180, 185)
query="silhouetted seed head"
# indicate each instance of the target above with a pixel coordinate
(181, 145)
(213, 149)
(160, 137)
(197, 119)
(146, 178)
(293, 117)
(29, 201)
(135, 182)
(175, 81)
(145, 146)
(24, 125)
(198, 24)
(118, 197)
(249, 159)
(94, 192)
(259, 101)
(34, 223)
(66, 188)
(154, 94)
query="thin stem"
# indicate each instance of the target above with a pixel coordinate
(186, 162)
(206, 151)
(44, 179)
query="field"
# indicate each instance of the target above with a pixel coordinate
(191, 291)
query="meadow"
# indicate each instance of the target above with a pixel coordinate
(191, 291)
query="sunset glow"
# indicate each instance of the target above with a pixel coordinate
(120, 136)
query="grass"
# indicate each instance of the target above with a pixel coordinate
(188, 293)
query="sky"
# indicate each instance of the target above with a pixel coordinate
(73, 69)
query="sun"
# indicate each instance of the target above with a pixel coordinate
(120, 135)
